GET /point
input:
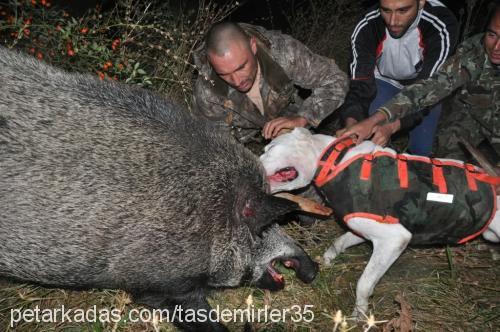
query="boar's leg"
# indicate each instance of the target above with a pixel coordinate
(190, 312)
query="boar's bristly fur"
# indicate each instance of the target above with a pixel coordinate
(107, 186)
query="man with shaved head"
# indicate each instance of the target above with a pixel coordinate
(250, 79)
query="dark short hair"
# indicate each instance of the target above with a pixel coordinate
(214, 41)
(495, 7)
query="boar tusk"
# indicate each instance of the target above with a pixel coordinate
(306, 204)
(480, 157)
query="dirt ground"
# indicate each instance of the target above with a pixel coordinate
(427, 289)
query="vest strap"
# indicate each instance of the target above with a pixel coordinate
(471, 181)
(473, 174)
(438, 176)
(366, 167)
(332, 160)
(493, 180)
(403, 171)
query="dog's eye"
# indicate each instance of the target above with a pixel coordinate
(268, 147)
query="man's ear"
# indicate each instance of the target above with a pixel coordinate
(421, 4)
(253, 45)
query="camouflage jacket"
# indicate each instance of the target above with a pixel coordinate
(471, 73)
(285, 64)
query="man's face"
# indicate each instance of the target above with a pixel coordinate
(238, 66)
(492, 39)
(398, 15)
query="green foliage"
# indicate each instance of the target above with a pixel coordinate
(142, 43)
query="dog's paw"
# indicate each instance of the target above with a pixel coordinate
(357, 316)
(359, 312)
(329, 256)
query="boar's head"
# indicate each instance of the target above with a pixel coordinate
(269, 244)
(274, 246)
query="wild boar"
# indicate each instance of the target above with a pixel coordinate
(106, 186)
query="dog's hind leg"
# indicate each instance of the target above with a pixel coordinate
(492, 233)
(389, 241)
(345, 241)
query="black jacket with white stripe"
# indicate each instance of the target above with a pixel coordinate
(427, 43)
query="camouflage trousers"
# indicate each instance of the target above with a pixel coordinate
(458, 122)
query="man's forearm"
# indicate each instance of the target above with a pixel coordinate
(425, 93)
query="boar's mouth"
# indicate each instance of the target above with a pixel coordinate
(279, 280)
(305, 272)
(286, 174)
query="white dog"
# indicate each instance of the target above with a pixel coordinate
(389, 199)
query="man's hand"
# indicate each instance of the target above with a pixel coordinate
(365, 128)
(382, 134)
(274, 127)
(349, 122)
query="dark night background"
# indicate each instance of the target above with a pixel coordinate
(260, 10)
(270, 13)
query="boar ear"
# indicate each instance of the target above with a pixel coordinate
(265, 210)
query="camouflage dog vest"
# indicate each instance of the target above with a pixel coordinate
(438, 201)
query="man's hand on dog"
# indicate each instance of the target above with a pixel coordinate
(382, 134)
(277, 126)
(366, 128)
(349, 122)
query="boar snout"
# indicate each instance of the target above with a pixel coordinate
(305, 268)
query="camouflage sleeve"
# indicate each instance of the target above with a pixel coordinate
(205, 105)
(425, 93)
(328, 84)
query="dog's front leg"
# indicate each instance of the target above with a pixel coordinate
(345, 241)
(493, 232)
(389, 241)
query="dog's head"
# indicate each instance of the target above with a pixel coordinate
(290, 159)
